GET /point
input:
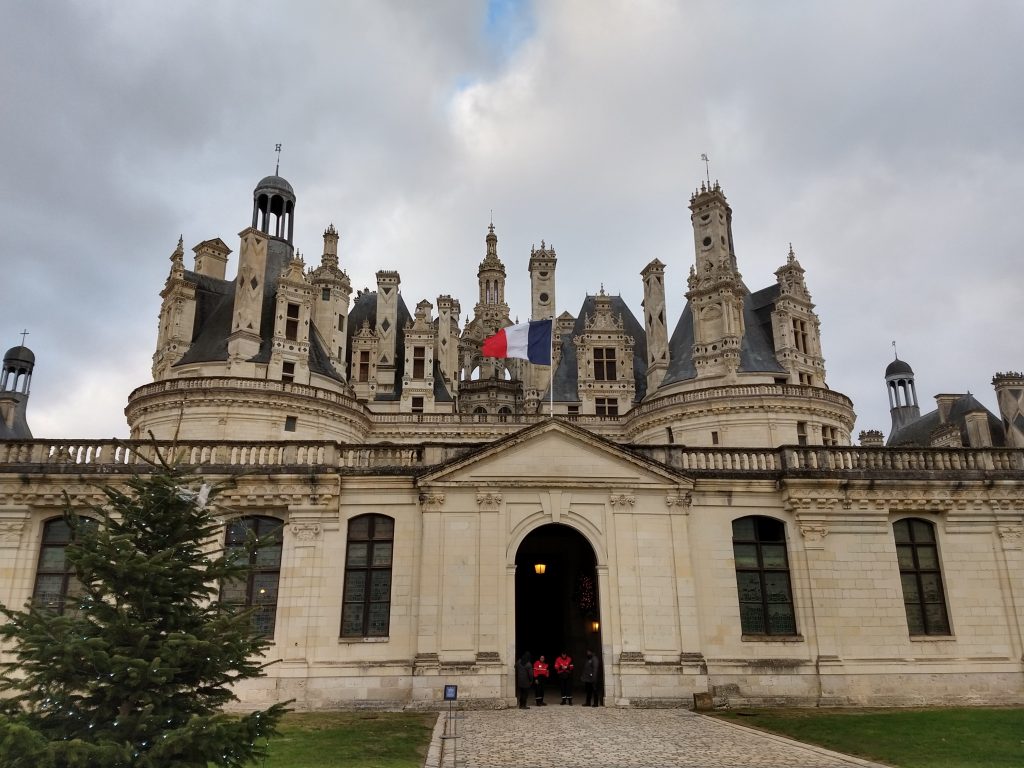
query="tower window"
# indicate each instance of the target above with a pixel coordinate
(290, 423)
(604, 363)
(801, 433)
(606, 406)
(287, 372)
(325, 294)
(341, 322)
(364, 366)
(419, 355)
(714, 437)
(291, 323)
(800, 336)
(417, 405)
(762, 576)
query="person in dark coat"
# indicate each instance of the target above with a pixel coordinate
(589, 678)
(524, 679)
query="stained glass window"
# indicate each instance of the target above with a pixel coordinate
(256, 541)
(917, 554)
(366, 609)
(762, 576)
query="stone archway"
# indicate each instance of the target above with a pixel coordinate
(558, 609)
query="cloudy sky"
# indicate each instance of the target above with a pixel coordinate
(884, 140)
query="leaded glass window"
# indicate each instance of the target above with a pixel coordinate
(56, 588)
(366, 606)
(762, 576)
(921, 576)
(257, 542)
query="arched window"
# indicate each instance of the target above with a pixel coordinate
(56, 586)
(762, 576)
(366, 610)
(921, 575)
(258, 590)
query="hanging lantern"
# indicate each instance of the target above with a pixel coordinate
(595, 625)
(540, 568)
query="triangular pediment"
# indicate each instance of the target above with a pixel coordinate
(554, 453)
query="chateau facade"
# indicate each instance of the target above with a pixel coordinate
(684, 498)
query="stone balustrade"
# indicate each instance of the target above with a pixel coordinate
(107, 455)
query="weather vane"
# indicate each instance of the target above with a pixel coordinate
(707, 168)
(277, 148)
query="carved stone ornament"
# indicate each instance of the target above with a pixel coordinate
(682, 500)
(814, 534)
(432, 501)
(488, 502)
(1012, 536)
(306, 532)
(621, 500)
(10, 532)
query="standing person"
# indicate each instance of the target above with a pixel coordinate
(589, 678)
(563, 668)
(524, 679)
(540, 679)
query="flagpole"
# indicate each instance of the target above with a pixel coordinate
(551, 372)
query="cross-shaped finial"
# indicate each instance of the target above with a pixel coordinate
(24, 333)
(277, 148)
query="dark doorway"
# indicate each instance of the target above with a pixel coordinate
(558, 609)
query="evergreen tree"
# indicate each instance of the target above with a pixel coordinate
(137, 668)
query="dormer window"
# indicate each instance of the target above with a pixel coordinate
(604, 364)
(291, 323)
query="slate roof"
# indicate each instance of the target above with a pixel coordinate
(919, 432)
(566, 384)
(757, 348)
(215, 302)
(365, 308)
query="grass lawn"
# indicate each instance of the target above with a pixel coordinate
(355, 739)
(907, 738)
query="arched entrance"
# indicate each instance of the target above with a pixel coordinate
(557, 603)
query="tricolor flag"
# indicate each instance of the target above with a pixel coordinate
(527, 341)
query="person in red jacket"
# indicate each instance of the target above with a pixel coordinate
(540, 679)
(563, 668)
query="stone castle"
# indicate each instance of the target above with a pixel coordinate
(686, 502)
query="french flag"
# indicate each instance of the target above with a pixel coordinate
(526, 341)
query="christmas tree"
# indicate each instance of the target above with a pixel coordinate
(136, 669)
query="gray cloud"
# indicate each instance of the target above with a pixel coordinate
(884, 141)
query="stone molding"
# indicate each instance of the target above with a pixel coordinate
(814, 535)
(682, 501)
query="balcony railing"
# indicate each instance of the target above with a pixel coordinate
(108, 455)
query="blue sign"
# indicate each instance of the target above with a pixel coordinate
(451, 692)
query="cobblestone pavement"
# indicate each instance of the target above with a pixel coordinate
(578, 737)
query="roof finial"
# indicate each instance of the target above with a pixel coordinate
(277, 167)
(894, 352)
(792, 255)
(707, 167)
(24, 333)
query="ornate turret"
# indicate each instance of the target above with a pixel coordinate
(1009, 388)
(716, 289)
(14, 389)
